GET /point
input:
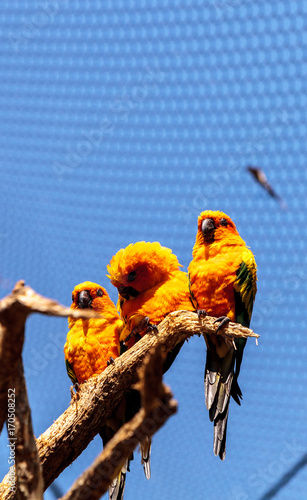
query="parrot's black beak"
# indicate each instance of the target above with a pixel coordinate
(127, 292)
(84, 299)
(208, 229)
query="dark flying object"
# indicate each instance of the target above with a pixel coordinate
(260, 177)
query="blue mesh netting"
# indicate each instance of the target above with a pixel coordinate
(121, 121)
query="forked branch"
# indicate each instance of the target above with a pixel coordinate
(70, 434)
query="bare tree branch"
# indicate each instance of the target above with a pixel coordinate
(22, 442)
(25, 474)
(158, 406)
(14, 310)
(97, 398)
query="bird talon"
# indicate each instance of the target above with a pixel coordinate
(201, 313)
(223, 320)
(110, 361)
(75, 395)
(152, 329)
(135, 332)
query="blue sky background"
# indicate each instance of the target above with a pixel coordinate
(121, 121)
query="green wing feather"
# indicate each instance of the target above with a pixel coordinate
(192, 296)
(245, 291)
(245, 288)
(70, 372)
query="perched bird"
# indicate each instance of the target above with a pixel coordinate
(223, 277)
(150, 286)
(90, 346)
(261, 178)
(91, 342)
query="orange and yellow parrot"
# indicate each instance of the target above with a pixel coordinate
(223, 276)
(91, 342)
(90, 346)
(150, 286)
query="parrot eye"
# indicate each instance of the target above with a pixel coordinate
(99, 293)
(223, 222)
(131, 276)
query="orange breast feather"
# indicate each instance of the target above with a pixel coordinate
(212, 280)
(90, 344)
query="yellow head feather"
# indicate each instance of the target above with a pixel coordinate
(142, 265)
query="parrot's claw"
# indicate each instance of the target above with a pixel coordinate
(110, 361)
(143, 324)
(223, 320)
(152, 329)
(201, 313)
(75, 395)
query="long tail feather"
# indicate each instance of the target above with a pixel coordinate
(145, 452)
(220, 384)
(117, 488)
(219, 438)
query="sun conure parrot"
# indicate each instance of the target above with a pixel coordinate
(222, 277)
(149, 283)
(150, 286)
(90, 346)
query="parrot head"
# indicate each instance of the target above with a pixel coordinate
(214, 226)
(90, 295)
(141, 266)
